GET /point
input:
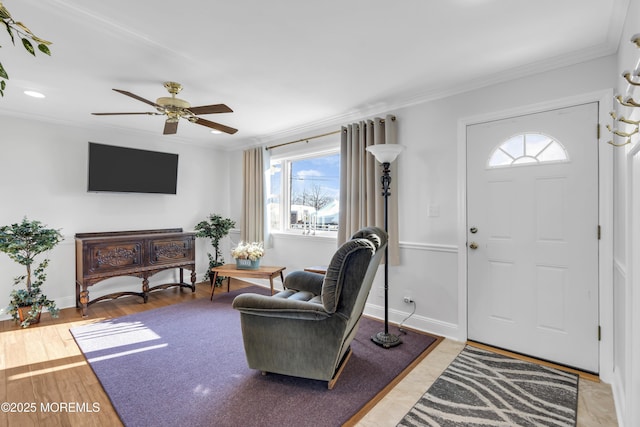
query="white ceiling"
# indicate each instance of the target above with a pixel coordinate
(285, 66)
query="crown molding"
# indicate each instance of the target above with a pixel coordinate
(441, 92)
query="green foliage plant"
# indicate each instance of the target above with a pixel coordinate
(22, 242)
(215, 227)
(19, 30)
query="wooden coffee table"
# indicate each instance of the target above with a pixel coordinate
(230, 270)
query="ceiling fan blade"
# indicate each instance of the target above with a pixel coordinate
(139, 98)
(210, 109)
(170, 127)
(120, 114)
(214, 125)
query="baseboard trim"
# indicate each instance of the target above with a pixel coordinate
(419, 323)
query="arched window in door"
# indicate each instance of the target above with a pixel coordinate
(528, 149)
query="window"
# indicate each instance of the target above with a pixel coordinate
(304, 193)
(527, 149)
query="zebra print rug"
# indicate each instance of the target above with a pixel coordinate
(481, 388)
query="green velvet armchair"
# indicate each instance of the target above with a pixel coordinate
(306, 330)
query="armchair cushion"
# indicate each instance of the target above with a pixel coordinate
(304, 281)
(286, 304)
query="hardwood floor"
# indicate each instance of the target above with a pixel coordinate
(46, 380)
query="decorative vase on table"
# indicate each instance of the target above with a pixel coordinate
(247, 264)
(247, 255)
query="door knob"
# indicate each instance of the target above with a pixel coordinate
(473, 245)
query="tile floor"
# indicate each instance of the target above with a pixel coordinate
(595, 400)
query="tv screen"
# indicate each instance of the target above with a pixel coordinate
(129, 170)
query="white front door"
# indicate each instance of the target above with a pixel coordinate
(532, 200)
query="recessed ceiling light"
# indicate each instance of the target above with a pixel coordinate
(215, 131)
(33, 94)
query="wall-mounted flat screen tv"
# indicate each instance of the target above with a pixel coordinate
(130, 170)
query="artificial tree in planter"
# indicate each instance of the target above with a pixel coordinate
(215, 228)
(22, 242)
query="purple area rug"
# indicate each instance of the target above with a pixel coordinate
(184, 364)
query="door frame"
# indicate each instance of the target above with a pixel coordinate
(605, 214)
(632, 299)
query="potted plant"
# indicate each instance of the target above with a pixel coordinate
(215, 228)
(22, 242)
(247, 255)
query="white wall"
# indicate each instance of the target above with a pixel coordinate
(428, 175)
(626, 385)
(43, 175)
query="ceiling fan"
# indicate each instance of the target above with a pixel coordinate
(176, 108)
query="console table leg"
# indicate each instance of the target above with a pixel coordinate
(84, 301)
(145, 289)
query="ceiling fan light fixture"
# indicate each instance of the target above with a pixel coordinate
(175, 109)
(166, 101)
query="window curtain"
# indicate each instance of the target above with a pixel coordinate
(253, 200)
(361, 201)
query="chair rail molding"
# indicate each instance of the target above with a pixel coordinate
(431, 247)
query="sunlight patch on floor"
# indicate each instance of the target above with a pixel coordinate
(46, 371)
(126, 353)
(112, 334)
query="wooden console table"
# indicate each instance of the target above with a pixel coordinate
(230, 270)
(142, 253)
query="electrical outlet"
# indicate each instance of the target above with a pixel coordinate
(407, 300)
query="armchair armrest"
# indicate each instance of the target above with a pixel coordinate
(304, 281)
(269, 306)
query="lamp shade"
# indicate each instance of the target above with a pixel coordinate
(385, 153)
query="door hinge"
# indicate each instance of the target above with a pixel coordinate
(599, 232)
(599, 333)
(598, 131)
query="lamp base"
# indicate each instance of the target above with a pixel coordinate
(386, 340)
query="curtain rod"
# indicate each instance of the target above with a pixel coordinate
(393, 118)
(301, 140)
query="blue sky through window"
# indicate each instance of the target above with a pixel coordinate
(322, 172)
(317, 178)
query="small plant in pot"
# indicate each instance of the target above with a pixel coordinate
(22, 242)
(215, 228)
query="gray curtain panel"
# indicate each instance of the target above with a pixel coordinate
(253, 211)
(361, 201)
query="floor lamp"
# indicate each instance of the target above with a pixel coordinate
(385, 154)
